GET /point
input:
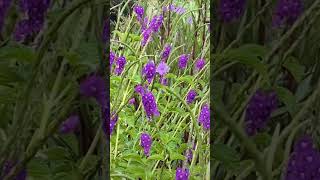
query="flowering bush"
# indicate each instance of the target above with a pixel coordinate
(159, 91)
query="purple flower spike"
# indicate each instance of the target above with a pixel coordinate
(8, 165)
(189, 155)
(150, 104)
(287, 12)
(182, 174)
(163, 68)
(120, 63)
(304, 161)
(258, 111)
(191, 96)
(4, 6)
(146, 142)
(156, 23)
(113, 122)
(139, 11)
(112, 57)
(204, 117)
(231, 10)
(132, 101)
(146, 36)
(35, 11)
(149, 71)
(139, 89)
(200, 63)
(94, 86)
(70, 125)
(166, 52)
(163, 81)
(183, 60)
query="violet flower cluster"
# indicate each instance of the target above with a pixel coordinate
(182, 174)
(177, 9)
(200, 63)
(113, 122)
(304, 161)
(192, 94)
(149, 71)
(258, 111)
(94, 86)
(231, 10)
(166, 52)
(204, 117)
(183, 61)
(35, 12)
(8, 165)
(146, 142)
(70, 125)
(120, 64)
(148, 28)
(287, 12)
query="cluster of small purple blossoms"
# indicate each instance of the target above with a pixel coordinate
(112, 57)
(150, 104)
(139, 11)
(177, 9)
(139, 89)
(162, 68)
(94, 86)
(8, 165)
(148, 28)
(149, 71)
(166, 52)
(204, 117)
(304, 161)
(258, 111)
(4, 6)
(231, 10)
(287, 12)
(120, 63)
(183, 61)
(200, 63)
(113, 122)
(70, 125)
(35, 11)
(146, 142)
(182, 174)
(192, 94)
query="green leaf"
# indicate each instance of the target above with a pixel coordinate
(225, 154)
(57, 153)
(187, 78)
(156, 157)
(287, 98)
(38, 169)
(171, 76)
(296, 69)
(17, 52)
(176, 156)
(250, 55)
